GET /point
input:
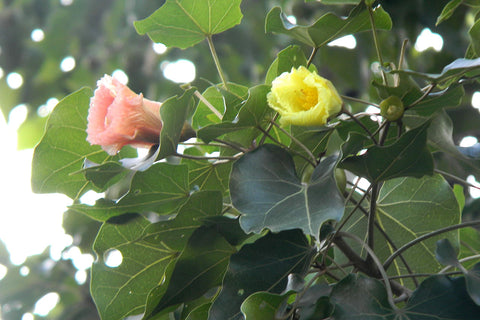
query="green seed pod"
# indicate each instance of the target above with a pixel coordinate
(392, 108)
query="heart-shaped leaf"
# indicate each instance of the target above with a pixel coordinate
(446, 253)
(59, 157)
(184, 23)
(266, 190)
(261, 266)
(409, 156)
(329, 27)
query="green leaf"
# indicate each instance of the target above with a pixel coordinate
(450, 97)
(104, 175)
(184, 23)
(288, 58)
(360, 297)
(253, 114)
(174, 112)
(122, 291)
(226, 102)
(472, 278)
(199, 268)
(147, 250)
(474, 34)
(448, 10)
(329, 27)
(160, 189)
(470, 246)
(406, 209)
(446, 253)
(266, 190)
(59, 157)
(262, 305)
(204, 175)
(261, 266)
(409, 208)
(441, 297)
(199, 313)
(409, 156)
(340, 2)
(454, 70)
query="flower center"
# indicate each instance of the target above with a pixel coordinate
(308, 98)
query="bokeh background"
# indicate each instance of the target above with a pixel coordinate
(51, 48)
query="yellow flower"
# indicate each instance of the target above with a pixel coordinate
(303, 98)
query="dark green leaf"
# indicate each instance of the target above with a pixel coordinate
(446, 253)
(261, 266)
(359, 297)
(229, 228)
(252, 115)
(340, 2)
(59, 157)
(174, 112)
(448, 10)
(199, 313)
(409, 156)
(329, 27)
(441, 297)
(200, 267)
(104, 175)
(472, 278)
(184, 23)
(265, 189)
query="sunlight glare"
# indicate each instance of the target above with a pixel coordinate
(468, 141)
(121, 76)
(46, 303)
(348, 42)
(159, 48)
(476, 100)
(428, 39)
(37, 35)
(474, 192)
(14, 80)
(68, 64)
(180, 71)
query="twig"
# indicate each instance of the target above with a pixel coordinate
(377, 263)
(299, 143)
(464, 182)
(216, 60)
(377, 46)
(477, 256)
(270, 126)
(348, 113)
(359, 101)
(208, 104)
(312, 55)
(406, 246)
(425, 94)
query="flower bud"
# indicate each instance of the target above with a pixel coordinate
(302, 97)
(392, 108)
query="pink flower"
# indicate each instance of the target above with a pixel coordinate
(118, 116)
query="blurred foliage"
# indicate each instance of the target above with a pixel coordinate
(101, 38)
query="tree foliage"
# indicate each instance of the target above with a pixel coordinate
(254, 220)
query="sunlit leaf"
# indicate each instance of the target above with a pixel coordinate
(266, 190)
(184, 23)
(288, 58)
(174, 112)
(160, 189)
(328, 27)
(262, 305)
(59, 157)
(261, 266)
(147, 249)
(253, 114)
